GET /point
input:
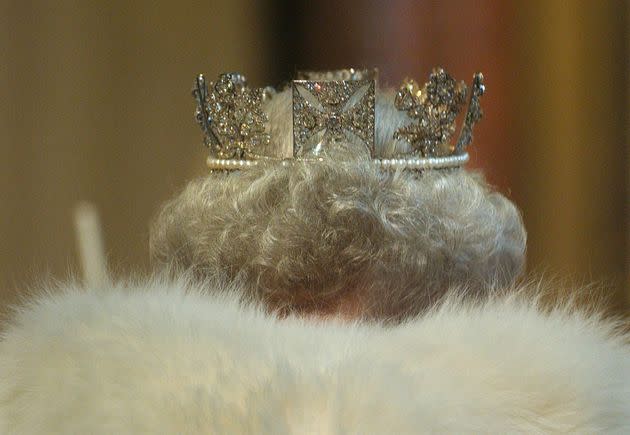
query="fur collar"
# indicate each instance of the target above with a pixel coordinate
(163, 357)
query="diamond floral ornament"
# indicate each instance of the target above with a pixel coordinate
(435, 106)
(231, 116)
(325, 112)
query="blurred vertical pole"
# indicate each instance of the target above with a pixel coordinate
(285, 24)
(574, 111)
(4, 121)
(627, 210)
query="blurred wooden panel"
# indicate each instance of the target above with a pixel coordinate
(98, 107)
(572, 185)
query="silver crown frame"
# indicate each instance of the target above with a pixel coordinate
(336, 107)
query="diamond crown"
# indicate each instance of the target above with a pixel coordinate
(333, 107)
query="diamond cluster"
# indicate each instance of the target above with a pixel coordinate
(340, 74)
(325, 112)
(435, 106)
(231, 116)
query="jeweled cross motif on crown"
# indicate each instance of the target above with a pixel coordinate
(325, 112)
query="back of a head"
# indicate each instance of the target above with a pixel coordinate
(341, 235)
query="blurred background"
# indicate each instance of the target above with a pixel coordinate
(95, 105)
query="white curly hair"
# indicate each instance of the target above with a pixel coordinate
(313, 236)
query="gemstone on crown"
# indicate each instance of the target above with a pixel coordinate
(435, 106)
(231, 116)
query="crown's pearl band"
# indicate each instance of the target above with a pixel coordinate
(452, 161)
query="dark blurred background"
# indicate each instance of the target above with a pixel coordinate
(95, 104)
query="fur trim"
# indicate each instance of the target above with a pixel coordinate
(171, 358)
